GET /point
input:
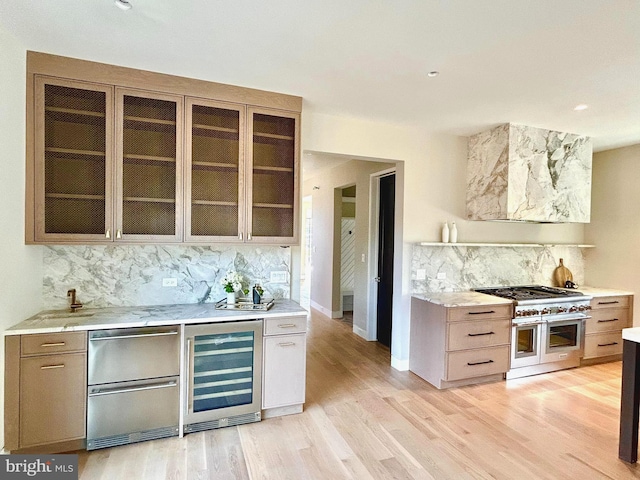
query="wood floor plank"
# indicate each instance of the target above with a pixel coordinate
(364, 420)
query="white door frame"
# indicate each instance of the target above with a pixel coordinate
(372, 286)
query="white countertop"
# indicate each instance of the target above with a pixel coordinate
(50, 321)
(631, 334)
(462, 299)
(471, 298)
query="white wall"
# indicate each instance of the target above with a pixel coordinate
(615, 222)
(21, 279)
(326, 219)
(434, 191)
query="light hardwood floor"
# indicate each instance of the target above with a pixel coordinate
(365, 420)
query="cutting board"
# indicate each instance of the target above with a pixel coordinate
(561, 274)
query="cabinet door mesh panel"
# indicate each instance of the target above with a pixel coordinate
(75, 143)
(215, 154)
(273, 176)
(149, 167)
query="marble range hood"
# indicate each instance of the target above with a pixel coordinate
(520, 173)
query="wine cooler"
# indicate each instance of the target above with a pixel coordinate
(224, 365)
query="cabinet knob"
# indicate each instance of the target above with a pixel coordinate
(240, 236)
(118, 234)
(108, 233)
(248, 236)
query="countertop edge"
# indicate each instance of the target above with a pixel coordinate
(290, 309)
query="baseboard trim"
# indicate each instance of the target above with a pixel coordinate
(361, 332)
(320, 308)
(401, 365)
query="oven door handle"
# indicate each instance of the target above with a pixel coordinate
(527, 324)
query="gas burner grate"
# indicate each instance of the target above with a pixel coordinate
(528, 292)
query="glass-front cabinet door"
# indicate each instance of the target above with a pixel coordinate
(73, 166)
(214, 171)
(272, 185)
(148, 166)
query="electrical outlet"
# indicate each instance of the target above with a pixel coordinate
(441, 276)
(169, 282)
(279, 277)
(421, 274)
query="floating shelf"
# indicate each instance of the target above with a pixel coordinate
(532, 245)
(272, 205)
(273, 136)
(149, 200)
(215, 203)
(72, 151)
(73, 111)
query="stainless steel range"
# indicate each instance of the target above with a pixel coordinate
(548, 328)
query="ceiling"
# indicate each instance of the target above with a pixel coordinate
(521, 61)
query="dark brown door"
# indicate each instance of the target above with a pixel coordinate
(385, 258)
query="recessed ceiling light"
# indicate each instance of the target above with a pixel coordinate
(582, 106)
(433, 73)
(123, 4)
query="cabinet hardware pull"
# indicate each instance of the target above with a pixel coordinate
(99, 393)
(606, 321)
(479, 363)
(608, 303)
(142, 335)
(108, 233)
(479, 334)
(190, 377)
(607, 344)
(286, 325)
(240, 236)
(56, 344)
(249, 236)
(481, 313)
(118, 234)
(287, 344)
(49, 367)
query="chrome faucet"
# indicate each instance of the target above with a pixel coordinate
(75, 305)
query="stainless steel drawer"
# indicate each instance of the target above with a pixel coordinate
(125, 354)
(132, 411)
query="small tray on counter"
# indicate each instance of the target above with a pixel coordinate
(244, 304)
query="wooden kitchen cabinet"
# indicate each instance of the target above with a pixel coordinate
(455, 346)
(105, 158)
(284, 365)
(73, 155)
(148, 166)
(603, 331)
(273, 162)
(45, 392)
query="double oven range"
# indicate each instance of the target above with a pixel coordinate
(547, 329)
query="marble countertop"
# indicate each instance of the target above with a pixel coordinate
(471, 298)
(462, 299)
(50, 321)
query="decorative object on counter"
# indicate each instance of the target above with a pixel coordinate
(245, 304)
(258, 291)
(232, 282)
(445, 233)
(562, 275)
(453, 236)
(570, 284)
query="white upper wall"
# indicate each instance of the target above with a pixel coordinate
(21, 279)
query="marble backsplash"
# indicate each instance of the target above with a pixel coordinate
(467, 267)
(130, 275)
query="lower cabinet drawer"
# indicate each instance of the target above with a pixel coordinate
(477, 363)
(285, 325)
(607, 320)
(602, 344)
(482, 333)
